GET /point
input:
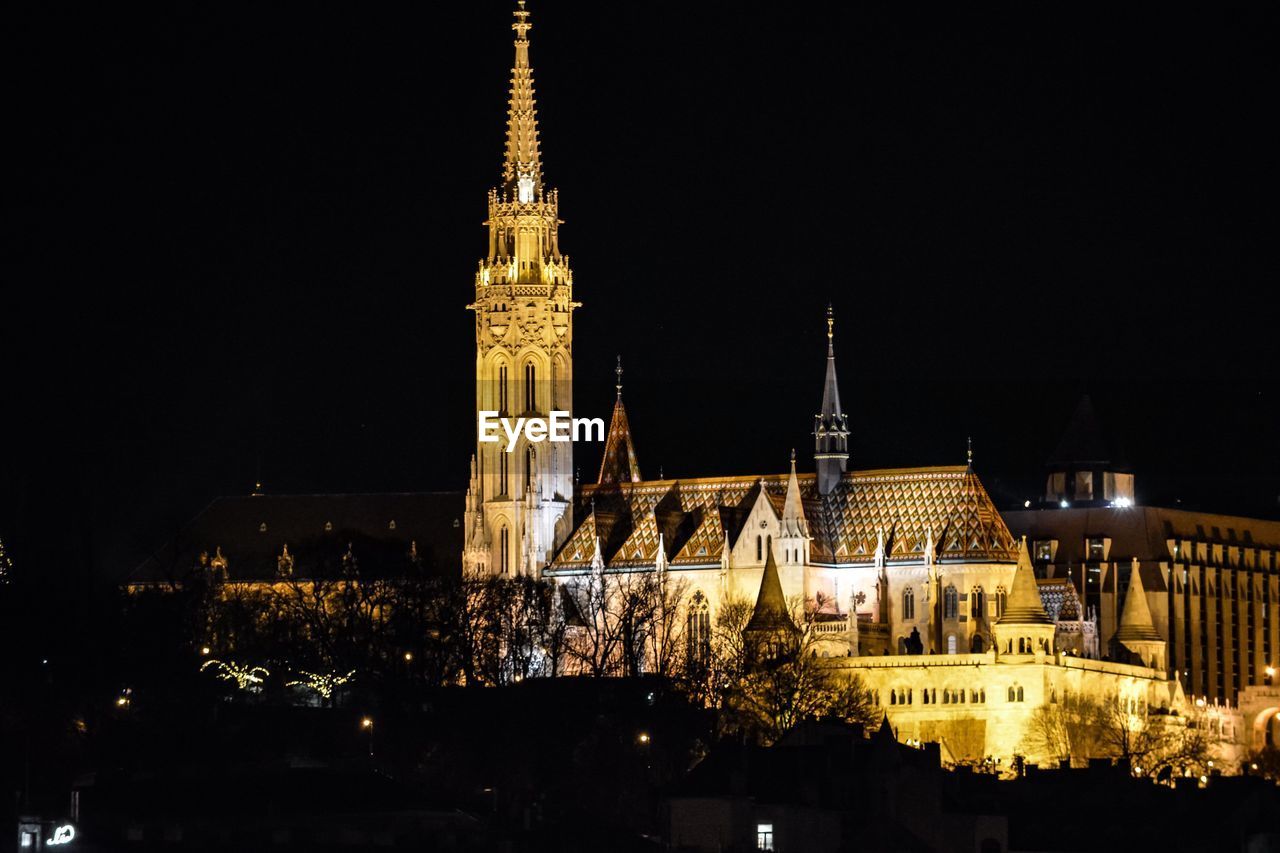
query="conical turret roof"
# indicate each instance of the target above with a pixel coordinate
(1024, 606)
(770, 612)
(1135, 619)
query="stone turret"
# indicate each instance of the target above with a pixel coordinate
(1136, 637)
(1025, 627)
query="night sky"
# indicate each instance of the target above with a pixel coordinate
(239, 243)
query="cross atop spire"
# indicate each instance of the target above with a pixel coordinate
(831, 334)
(522, 167)
(618, 373)
(522, 25)
(969, 453)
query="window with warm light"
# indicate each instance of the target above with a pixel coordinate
(764, 836)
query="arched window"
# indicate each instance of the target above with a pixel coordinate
(908, 603)
(502, 389)
(759, 548)
(528, 468)
(977, 603)
(502, 472)
(530, 386)
(1019, 694)
(1002, 598)
(893, 697)
(504, 550)
(951, 644)
(977, 646)
(950, 603)
(1012, 694)
(698, 632)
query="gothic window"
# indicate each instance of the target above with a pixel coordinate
(977, 646)
(1012, 694)
(950, 603)
(908, 603)
(1002, 598)
(760, 548)
(698, 632)
(1020, 696)
(502, 473)
(504, 551)
(977, 603)
(951, 644)
(530, 394)
(502, 389)
(528, 468)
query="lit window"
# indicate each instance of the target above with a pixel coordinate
(698, 632)
(1044, 550)
(950, 603)
(764, 836)
(1094, 550)
(908, 603)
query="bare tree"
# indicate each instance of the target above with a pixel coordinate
(1064, 729)
(786, 683)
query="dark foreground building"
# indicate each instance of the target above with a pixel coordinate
(827, 787)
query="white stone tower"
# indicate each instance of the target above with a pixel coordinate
(519, 503)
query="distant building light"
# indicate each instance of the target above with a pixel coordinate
(1122, 503)
(62, 835)
(1064, 504)
(1026, 504)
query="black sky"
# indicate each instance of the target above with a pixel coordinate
(240, 242)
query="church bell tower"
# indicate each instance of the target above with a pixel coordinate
(519, 503)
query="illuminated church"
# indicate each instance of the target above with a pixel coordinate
(911, 576)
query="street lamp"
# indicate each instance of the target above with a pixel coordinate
(366, 723)
(1271, 674)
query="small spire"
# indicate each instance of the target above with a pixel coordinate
(969, 454)
(617, 371)
(831, 427)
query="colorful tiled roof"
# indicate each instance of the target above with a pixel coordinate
(904, 505)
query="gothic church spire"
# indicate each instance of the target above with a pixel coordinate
(831, 427)
(522, 166)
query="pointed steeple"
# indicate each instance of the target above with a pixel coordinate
(1024, 606)
(770, 613)
(522, 166)
(831, 427)
(619, 464)
(1135, 619)
(793, 520)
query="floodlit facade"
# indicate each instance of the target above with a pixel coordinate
(518, 507)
